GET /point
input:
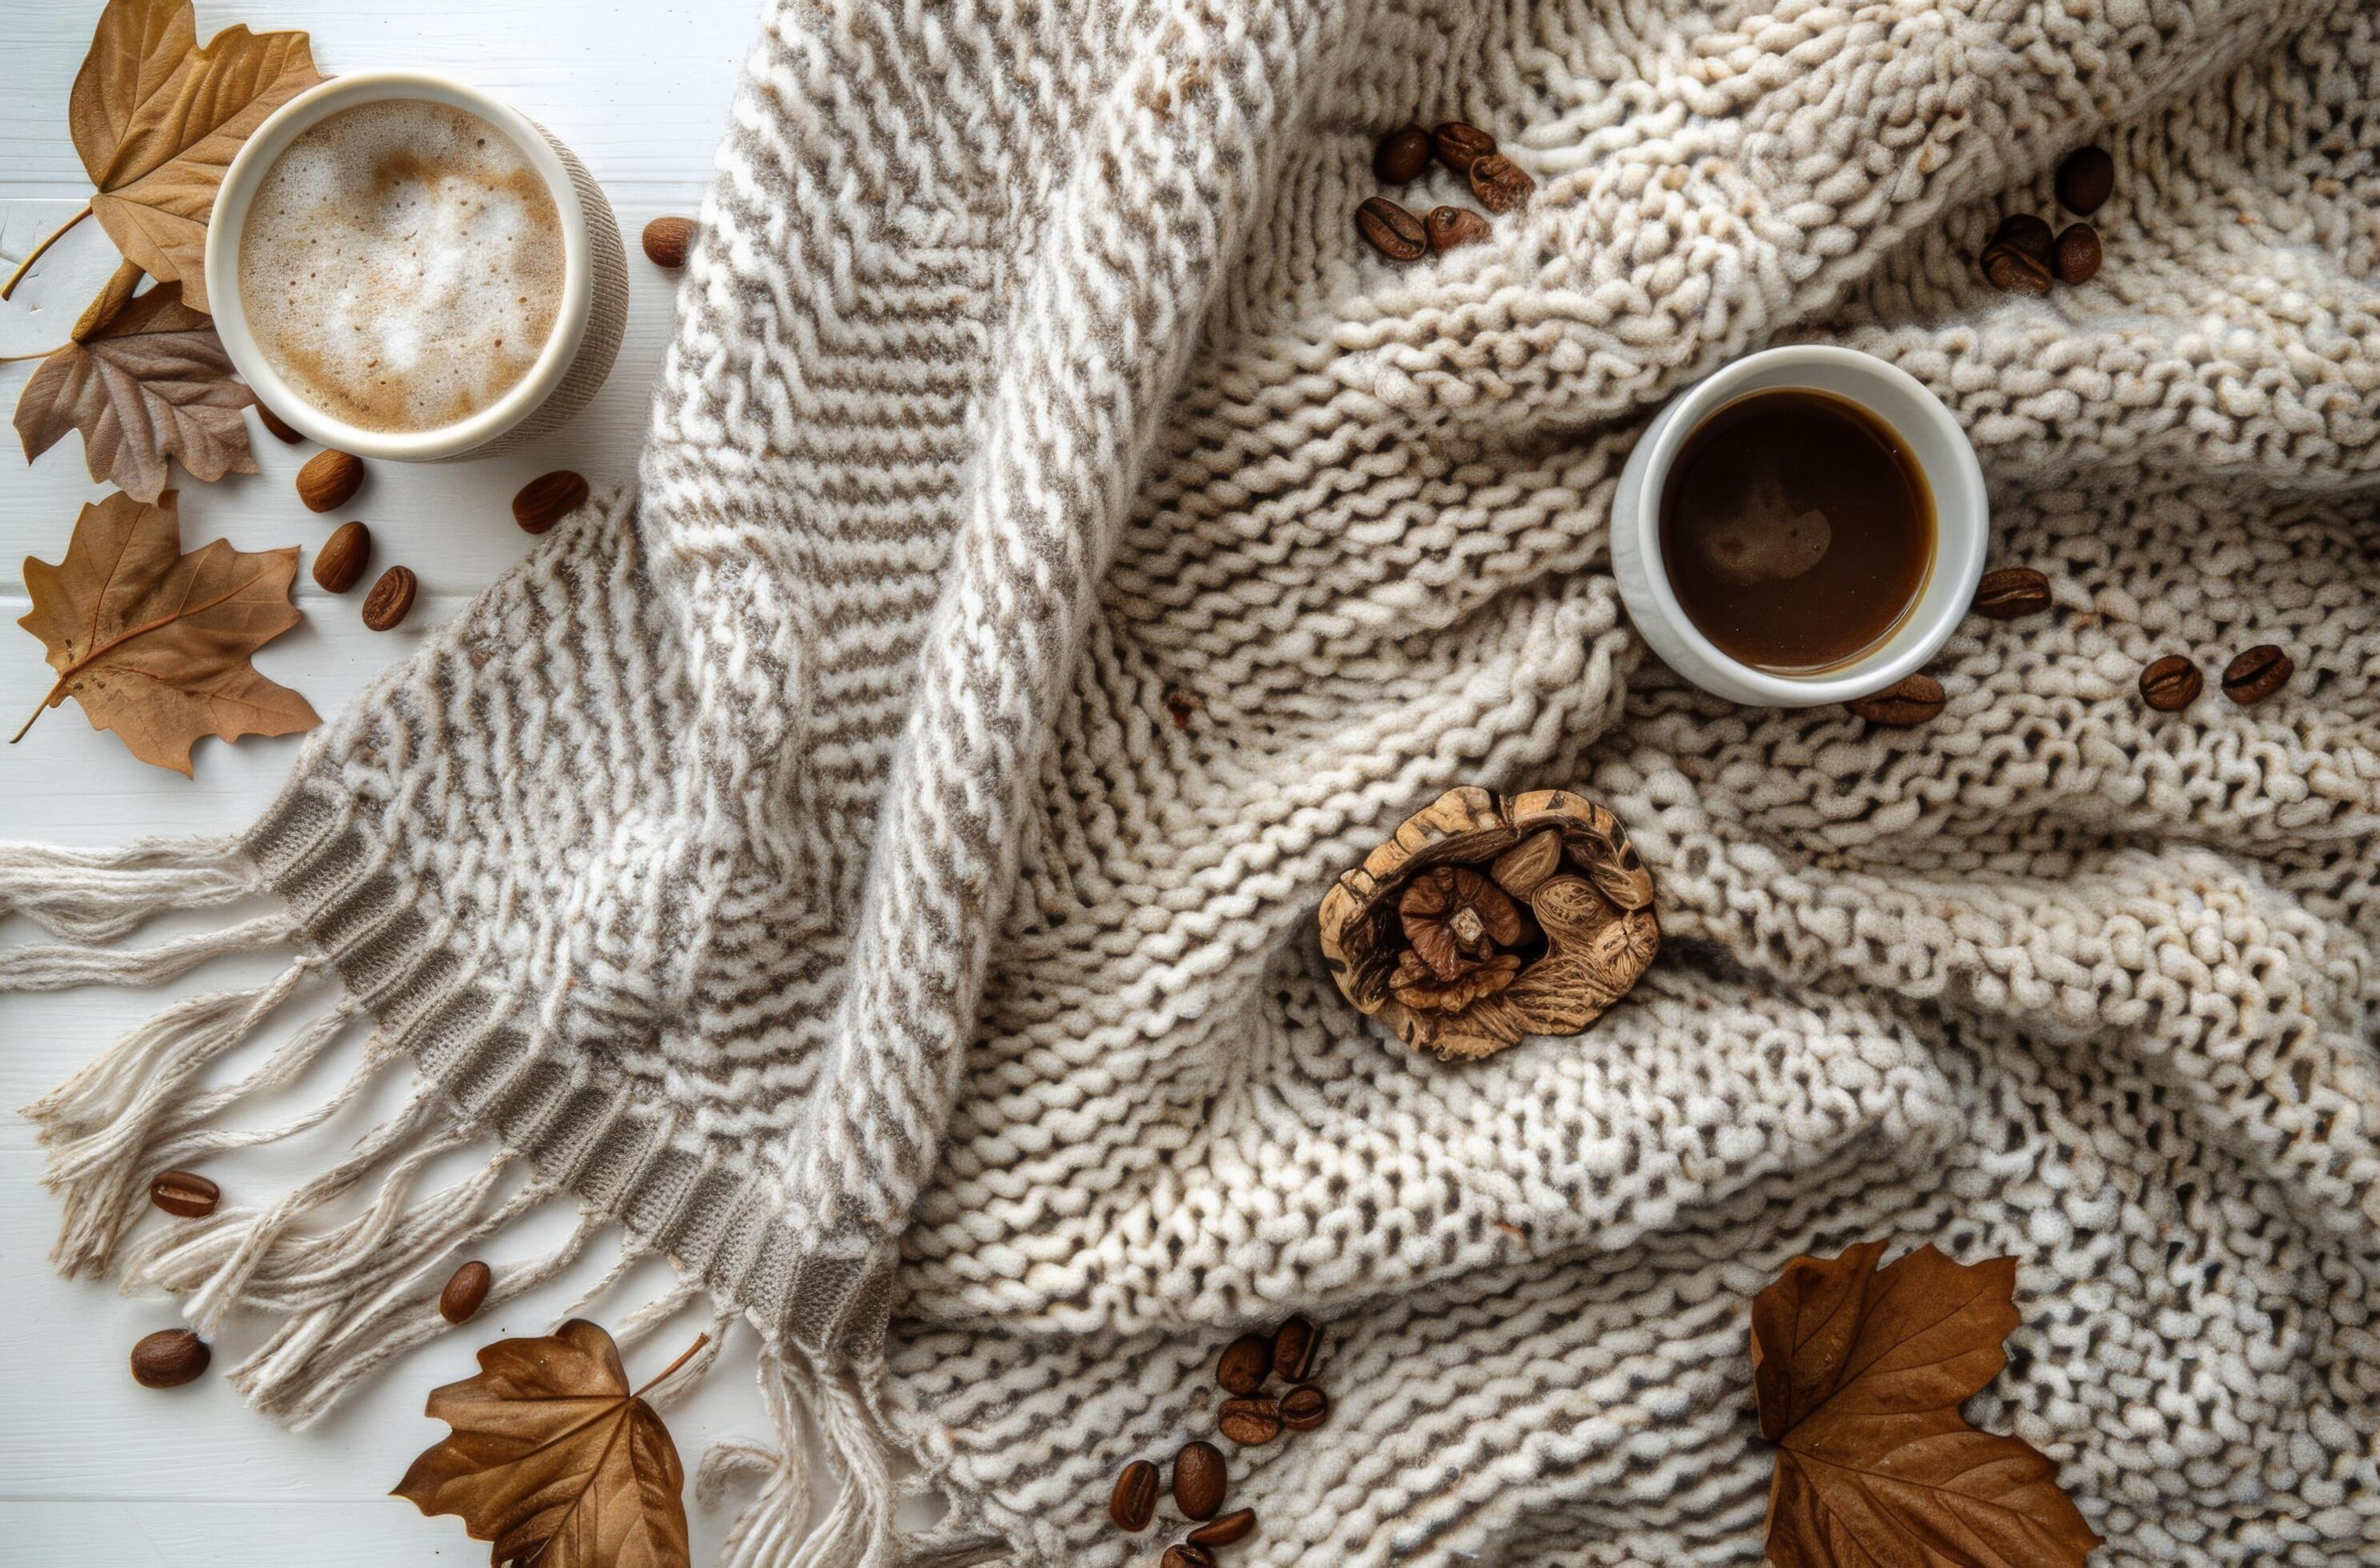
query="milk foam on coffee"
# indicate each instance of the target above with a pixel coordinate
(401, 265)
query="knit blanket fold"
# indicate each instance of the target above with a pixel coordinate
(873, 860)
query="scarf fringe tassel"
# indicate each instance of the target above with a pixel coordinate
(349, 1265)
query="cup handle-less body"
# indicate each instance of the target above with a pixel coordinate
(1962, 514)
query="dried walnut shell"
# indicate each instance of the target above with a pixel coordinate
(1484, 919)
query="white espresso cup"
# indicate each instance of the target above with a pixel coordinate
(588, 319)
(1961, 526)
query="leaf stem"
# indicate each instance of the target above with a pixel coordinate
(20, 359)
(47, 703)
(699, 1341)
(27, 264)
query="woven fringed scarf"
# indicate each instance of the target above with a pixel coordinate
(874, 863)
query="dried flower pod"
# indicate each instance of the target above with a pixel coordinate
(1484, 919)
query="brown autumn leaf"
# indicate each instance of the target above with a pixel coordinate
(1859, 1376)
(157, 119)
(144, 377)
(555, 1460)
(154, 643)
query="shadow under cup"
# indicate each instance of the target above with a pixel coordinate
(1906, 627)
(589, 318)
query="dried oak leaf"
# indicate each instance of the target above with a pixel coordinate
(154, 643)
(555, 1460)
(1858, 1374)
(144, 377)
(157, 119)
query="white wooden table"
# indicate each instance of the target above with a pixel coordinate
(93, 1469)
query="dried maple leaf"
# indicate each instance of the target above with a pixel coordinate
(1859, 1376)
(144, 377)
(157, 119)
(555, 1460)
(154, 643)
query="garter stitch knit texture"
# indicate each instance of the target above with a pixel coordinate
(799, 859)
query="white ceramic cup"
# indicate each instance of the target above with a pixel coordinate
(586, 323)
(1961, 526)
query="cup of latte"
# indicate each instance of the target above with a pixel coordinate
(404, 267)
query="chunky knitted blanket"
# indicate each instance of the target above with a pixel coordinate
(875, 863)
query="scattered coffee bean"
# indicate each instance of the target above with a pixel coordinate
(2257, 673)
(169, 1358)
(1402, 155)
(1246, 1363)
(1459, 146)
(667, 240)
(2078, 254)
(1134, 1502)
(1294, 1344)
(1231, 1527)
(465, 1289)
(1186, 1556)
(2011, 591)
(283, 431)
(2013, 270)
(1303, 1408)
(2085, 181)
(2027, 233)
(1198, 1478)
(547, 499)
(1392, 231)
(1911, 701)
(1451, 227)
(2172, 683)
(186, 1194)
(1500, 184)
(330, 479)
(340, 563)
(391, 599)
(1251, 1423)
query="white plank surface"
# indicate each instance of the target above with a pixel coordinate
(93, 1469)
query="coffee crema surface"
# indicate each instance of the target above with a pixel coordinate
(1797, 530)
(401, 265)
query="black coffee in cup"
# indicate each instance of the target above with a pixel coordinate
(1797, 530)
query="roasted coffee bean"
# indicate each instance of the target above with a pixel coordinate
(1459, 146)
(2172, 683)
(169, 1358)
(1911, 701)
(465, 1289)
(1294, 1344)
(1451, 227)
(1246, 1363)
(2013, 270)
(2257, 673)
(185, 1193)
(1251, 1423)
(2027, 233)
(1231, 1527)
(1134, 1502)
(2085, 181)
(2078, 254)
(1304, 1407)
(1199, 1478)
(2011, 591)
(1500, 184)
(1402, 155)
(547, 499)
(667, 240)
(1186, 1556)
(1391, 231)
(391, 599)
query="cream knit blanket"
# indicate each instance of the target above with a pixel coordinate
(800, 860)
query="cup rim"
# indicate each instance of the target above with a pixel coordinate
(1961, 558)
(258, 154)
